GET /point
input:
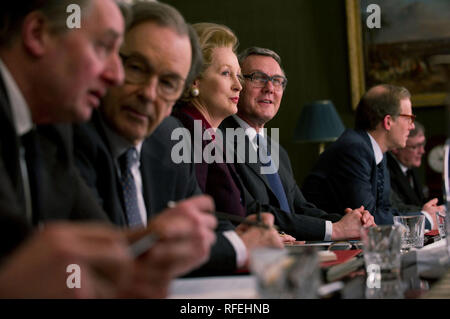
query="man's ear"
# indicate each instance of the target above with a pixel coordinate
(35, 29)
(387, 122)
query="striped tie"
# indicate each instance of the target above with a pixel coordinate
(126, 161)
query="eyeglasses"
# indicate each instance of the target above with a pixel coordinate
(260, 79)
(139, 71)
(416, 146)
(411, 117)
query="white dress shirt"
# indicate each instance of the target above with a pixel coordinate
(23, 123)
(19, 107)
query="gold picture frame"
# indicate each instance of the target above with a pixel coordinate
(358, 59)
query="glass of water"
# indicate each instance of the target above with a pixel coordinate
(382, 259)
(287, 273)
(413, 230)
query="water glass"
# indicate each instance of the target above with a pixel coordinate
(382, 258)
(286, 273)
(413, 230)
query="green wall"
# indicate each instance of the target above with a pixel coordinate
(310, 37)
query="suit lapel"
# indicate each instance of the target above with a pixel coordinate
(116, 187)
(250, 153)
(418, 187)
(10, 144)
(411, 194)
(374, 170)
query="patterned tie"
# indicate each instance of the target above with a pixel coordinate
(126, 161)
(273, 179)
(380, 182)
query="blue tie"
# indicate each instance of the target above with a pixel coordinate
(380, 183)
(273, 179)
(126, 161)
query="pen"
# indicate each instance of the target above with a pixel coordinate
(236, 218)
(242, 220)
(142, 245)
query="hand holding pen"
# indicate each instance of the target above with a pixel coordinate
(176, 241)
(256, 237)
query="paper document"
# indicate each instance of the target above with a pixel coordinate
(226, 287)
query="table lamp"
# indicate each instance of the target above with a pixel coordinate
(318, 123)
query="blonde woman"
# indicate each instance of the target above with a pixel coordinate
(212, 97)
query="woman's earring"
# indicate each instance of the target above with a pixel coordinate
(195, 92)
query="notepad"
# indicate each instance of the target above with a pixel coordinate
(341, 257)
(326, 255)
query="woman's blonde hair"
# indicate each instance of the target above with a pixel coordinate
(211, 36)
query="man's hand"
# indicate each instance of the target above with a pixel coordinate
(433, 209)
(287, 239)
(367, 219)
(37, 269)
(350, 224)
(186, 233)
(254, 236)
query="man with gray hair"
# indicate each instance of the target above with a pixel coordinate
(51, 75)
(135, 116)
(406, 189)
(277, 192)
(352, 171)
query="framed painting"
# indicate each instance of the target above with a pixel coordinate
(411, 35)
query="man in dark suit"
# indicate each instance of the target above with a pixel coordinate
(406, 188)
(52, 74)
(259, 102)
(353, 171)
(132, 112)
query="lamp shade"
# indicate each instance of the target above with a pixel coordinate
(318, 122)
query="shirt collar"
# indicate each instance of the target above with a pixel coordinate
(118, 144)
(376, 149)
(19, 107)
(402, 167)
(249, 130)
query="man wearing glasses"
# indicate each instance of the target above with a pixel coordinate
(111, 150)
(353, 171)
(406, 189)
(160, 54)
(278, 192)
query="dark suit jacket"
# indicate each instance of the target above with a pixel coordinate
(346, 176)
(407, 197)
(217, 179)
(61, 193)
(163, 181)
(305, 222)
